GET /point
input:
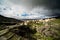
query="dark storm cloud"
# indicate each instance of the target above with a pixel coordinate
(49, 4)
(54, 5)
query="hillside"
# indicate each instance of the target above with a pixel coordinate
(47, 29)
(5, 19)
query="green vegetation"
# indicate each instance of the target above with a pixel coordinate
(34, 30)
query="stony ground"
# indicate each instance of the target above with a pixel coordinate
(48, 29)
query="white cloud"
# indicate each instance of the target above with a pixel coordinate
(16, 11)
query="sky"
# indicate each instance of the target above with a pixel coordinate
(30, 9)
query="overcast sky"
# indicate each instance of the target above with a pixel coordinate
(29, 9)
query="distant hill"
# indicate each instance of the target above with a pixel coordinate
(8, 20)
